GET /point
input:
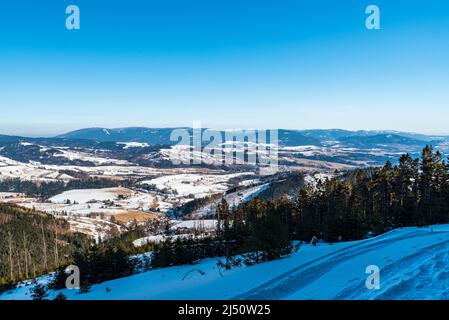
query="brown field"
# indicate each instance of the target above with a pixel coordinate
(134, 215)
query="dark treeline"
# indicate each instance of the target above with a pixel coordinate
(413, 193)
(97, 263)
(104, 261)
(350, 206)
(360, 203)
(257, 231)
(46, 190)
(37, 243)
(33, 243)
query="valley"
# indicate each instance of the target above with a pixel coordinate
(147, 187)
(139, 199)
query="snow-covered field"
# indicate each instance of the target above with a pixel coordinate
(77, 155)
(196, 185)
(10, 169)
(109, 201)
(34, 171)
(173, 187)
(413, 264)
(86, 195)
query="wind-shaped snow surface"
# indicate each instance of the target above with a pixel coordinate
(413, 262)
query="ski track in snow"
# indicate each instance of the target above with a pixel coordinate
(297, 278)
(424, 268)
(413, 265)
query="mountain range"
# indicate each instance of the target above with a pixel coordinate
(319, 148)
(315, 137)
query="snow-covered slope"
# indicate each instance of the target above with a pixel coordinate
(413, 262)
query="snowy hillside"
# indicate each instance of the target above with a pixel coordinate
(413, 264)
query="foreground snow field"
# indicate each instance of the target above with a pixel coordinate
(413, 262)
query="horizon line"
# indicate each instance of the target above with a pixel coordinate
(55, 135)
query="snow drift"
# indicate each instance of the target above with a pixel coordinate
(413, 262)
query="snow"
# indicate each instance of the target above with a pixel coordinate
(216, 154)
(10, 195)
(105, 167)
(183, 154)
(233, 199)
(7, 162)
(204, 225)
(237, 198)
(128, 145)
(84, 202)
(86, 195)
(29, 172)
(313, 179)
(198, 185)
(247, 183)
(95, 228)
(413, 264)
(210, 224)
(160, 238)
(11, 169)
(77, 155)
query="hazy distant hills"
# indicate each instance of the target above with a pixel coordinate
(380, 140)
(155, 136)
(320, 148)
(161, 136)
(288, 138)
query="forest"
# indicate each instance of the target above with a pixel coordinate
(46, 190)
(33, 243)
(349, 206)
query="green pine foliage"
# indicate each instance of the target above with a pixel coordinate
(351, 206)
(46, 190)
(39, 292)
(33, 243)
(362, 202)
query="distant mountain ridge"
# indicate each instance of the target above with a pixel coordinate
(132, 134)
(319, 148)
(161, 136)
(313, 137)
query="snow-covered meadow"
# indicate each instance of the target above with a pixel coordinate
(412, 263)
(198, 185)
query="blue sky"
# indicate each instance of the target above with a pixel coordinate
(228, 63)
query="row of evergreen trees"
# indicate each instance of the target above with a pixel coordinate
(257, 232)
(348, 206)
(97, 264)
(46, 190)
(355, 204)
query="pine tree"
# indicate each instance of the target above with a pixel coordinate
(39, 292)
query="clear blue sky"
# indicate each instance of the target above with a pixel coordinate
(228, 63)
